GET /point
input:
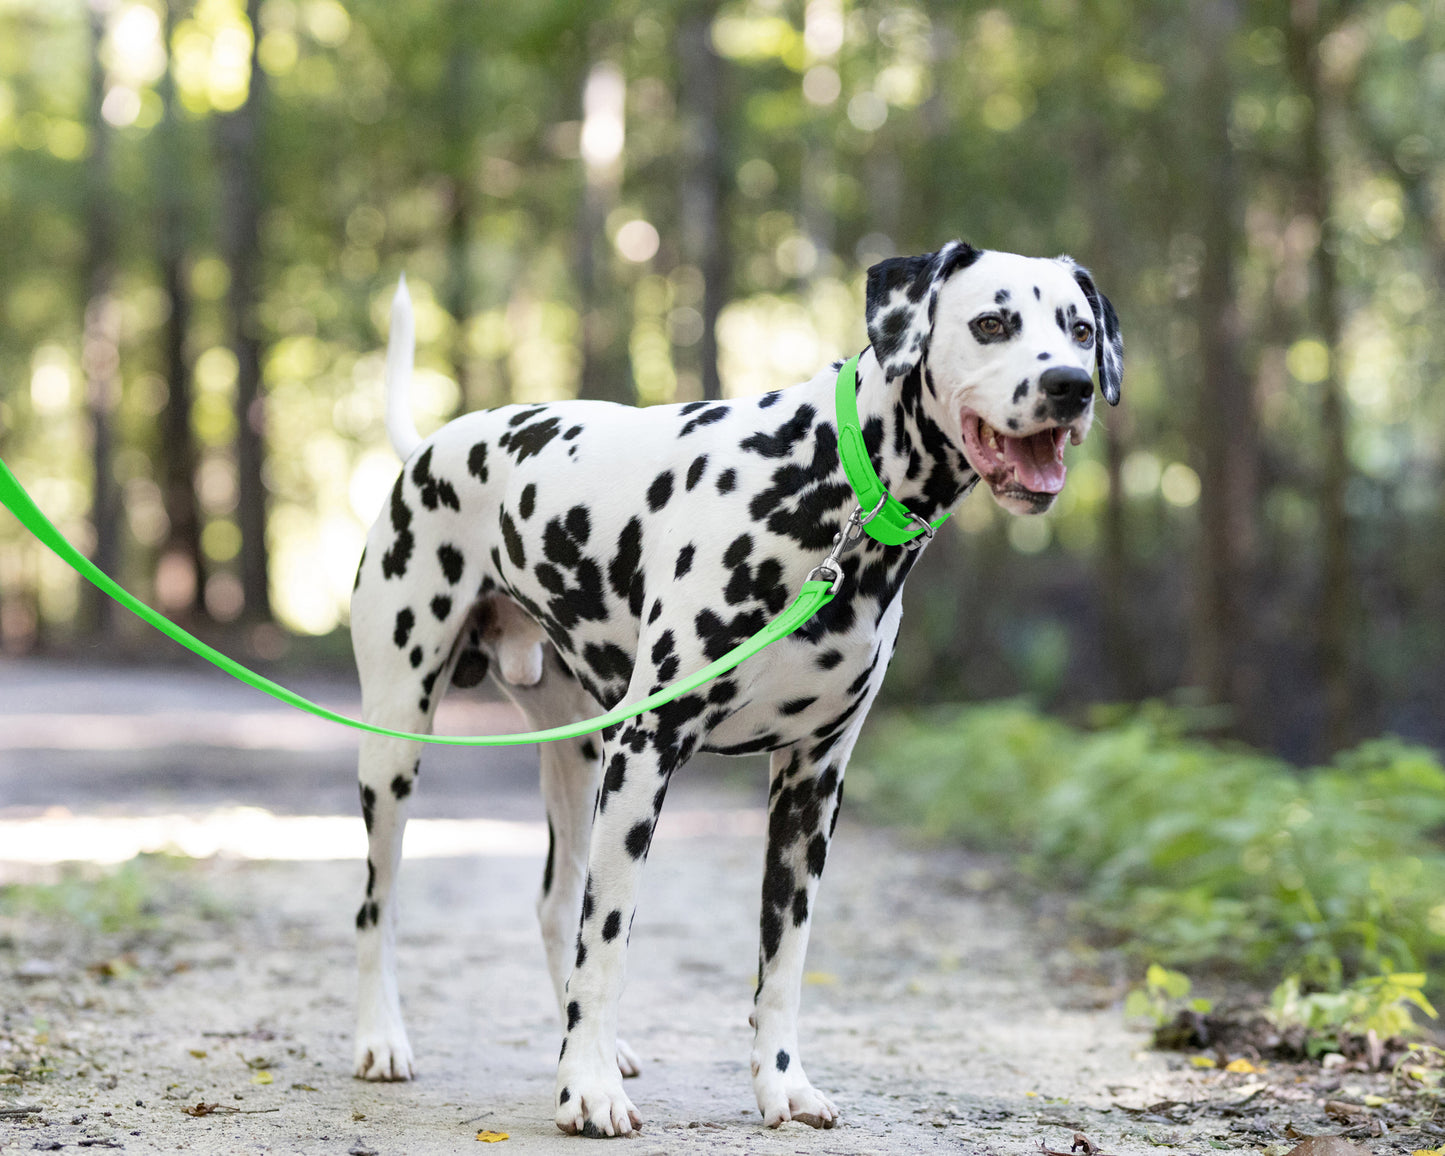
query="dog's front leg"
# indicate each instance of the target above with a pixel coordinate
(387, 772)
(637, 763)
(805, 790)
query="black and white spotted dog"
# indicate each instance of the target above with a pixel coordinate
(589, 553)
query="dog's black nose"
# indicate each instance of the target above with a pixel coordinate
(1066, 386)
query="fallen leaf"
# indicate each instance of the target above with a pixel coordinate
(302, 1088)
(1374, 1101)
(1429, 1151)
(820, 978)
(492, 1137)
(1240, 1065)
(1203, 1061)
(201, 1109)
(199, 1053)
(262, 1077)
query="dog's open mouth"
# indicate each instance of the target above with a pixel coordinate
(1032, 464)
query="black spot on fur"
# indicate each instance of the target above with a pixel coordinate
(613, 780)
(660, 491)
(817, 854)
(531, 440)
(566, 1093)
(581, 952)
(727, 481)
(401, 786)
(528, 501)
(782, 1060)
(451, 561)
(368, 807)
(768, 400)
(579, 524)
(829, 659)
(367, 916)
(415, 656)
(784, 439)
(477, 461)
(370, 876)
(572, 433)
(684, 560)
(551, 854)
(574, 1013)
(624, 574)
(717, 413)
(441, 606)
(639, 838)
(513, 541)
(797, 705)
(434, 491)
(695, 471)
(588, 749)
(405, 620)
(1021, 390)
(393, 562)
(611, 925)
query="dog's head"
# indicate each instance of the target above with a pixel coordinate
(1008, 346)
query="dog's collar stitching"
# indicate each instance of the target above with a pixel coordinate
(894, 524)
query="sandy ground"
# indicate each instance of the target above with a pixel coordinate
(940, 1012)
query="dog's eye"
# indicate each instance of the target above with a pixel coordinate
(1083, 332)
(990, 326)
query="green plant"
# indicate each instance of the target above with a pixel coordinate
(1187, 852)
(1165, 993)
(1376, 1003)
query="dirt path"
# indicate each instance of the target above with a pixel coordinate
(935, 1014)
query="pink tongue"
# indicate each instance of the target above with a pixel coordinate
(1034, 463)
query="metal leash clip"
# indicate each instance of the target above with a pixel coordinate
(830, 569)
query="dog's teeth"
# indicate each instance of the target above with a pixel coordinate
(1074, 438)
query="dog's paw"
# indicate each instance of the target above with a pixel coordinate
(384, 1056)
(784, 1096)
(627, 1062)
(595, 1106)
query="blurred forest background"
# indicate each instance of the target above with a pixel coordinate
(205, 204)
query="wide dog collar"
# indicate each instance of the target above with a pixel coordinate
(890, 522)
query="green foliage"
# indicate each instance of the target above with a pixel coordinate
(1378, 1003)
(1192, 853)
(133, 897)
(1164, 994)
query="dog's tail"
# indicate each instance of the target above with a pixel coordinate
(400, 355)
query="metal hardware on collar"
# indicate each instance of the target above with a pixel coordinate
(830, 569)
(891, 523)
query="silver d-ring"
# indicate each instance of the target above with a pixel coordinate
(925, 535)
(878, 509)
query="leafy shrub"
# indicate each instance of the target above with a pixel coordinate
(1191, 852)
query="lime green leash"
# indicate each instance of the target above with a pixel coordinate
(817, 590)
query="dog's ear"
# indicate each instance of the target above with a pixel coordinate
(902, 296)
(1108, 343)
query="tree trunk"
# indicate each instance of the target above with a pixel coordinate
(1225, 425)
(178, 444)
(605, 368)
(238, 136)
(1339, 598)
(459, 122)
(100, 349)
(704, 180)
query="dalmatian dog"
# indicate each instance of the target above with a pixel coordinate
(586, 554)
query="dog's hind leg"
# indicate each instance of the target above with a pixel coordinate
(404, 659)
(571, 771)
(805, 790)
(388, 769)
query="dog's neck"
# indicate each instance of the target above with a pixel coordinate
(919, 463)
